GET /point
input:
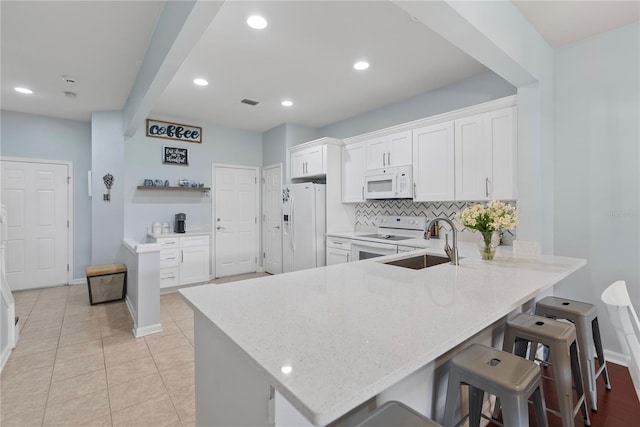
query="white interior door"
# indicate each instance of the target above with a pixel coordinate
(272, 219)
(235, 219)
(37, 199)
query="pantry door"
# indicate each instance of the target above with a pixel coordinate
(37, 197)
(235, 219)
(272, 219)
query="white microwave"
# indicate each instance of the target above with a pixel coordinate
(389, 183)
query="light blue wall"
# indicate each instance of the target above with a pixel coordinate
(38, 137)
(274, 142)
(143, 159)
(597, 183)
(475, 90)
(107, 157)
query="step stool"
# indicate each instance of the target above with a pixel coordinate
(510, 378)
(585, 318)
(560, 337)
(106, 283)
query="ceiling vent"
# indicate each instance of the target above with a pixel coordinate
(250, 102)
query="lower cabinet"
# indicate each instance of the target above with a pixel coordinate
(183, 260)
(338, 250)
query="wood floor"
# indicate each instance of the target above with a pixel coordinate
(618, 407)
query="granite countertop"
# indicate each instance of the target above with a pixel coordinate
(350, 331)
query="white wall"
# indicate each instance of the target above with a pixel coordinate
(143, 159)
(597, 179)
(38, 137)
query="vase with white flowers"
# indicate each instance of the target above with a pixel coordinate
(489, 219)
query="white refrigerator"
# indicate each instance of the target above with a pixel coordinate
(304, 226)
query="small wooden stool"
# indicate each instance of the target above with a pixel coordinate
(106, 283)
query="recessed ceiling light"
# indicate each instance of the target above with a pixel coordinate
(361, 65)
(257, 22)
(68, 94)
(200, 82)
(23, 90)
(286, 103)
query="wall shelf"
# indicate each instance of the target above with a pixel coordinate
(159, 187)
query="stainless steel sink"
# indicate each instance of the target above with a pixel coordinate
(419, 262)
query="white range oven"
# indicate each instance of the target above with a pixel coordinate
(391, 230)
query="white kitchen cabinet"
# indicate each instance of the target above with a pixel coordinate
(183, 259)
(338, 250)
(433, 163)
(354, 167)
(390, 150)
(309, 162)
(485, 156)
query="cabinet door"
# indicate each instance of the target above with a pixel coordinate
(433, 163)
(314, 158)
(194, 265)
(298, 167)
(472, 159)
(337, 256)
(399, 149)
(354, 167)
(377, 153)
(500, 128)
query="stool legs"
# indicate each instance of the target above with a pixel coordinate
(475, 406)
(577, 379)
(540, 409)
(453, 390)
(598, 343)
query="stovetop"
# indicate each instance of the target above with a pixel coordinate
(387, 237)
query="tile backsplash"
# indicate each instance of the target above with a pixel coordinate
(367, 212)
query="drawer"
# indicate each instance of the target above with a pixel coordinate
(169, 277)
(190, 241)
(169, 257)
(339, 243)
(168, 242)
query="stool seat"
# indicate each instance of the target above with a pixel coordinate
(585, 318)
(561, 339)
(396, 414)
(101, 270)
(510, 378)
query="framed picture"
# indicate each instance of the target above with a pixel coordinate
(175, 131)
(175, 156)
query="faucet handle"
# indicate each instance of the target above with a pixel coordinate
(447, 248)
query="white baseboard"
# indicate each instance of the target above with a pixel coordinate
(617, 358)
(147, 330)
(132, 312)
(6, 352)
(82, 281)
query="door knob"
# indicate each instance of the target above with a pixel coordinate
(220, 228)
(277, 227)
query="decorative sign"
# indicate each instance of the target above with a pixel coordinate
(175, 156)
(166, 130)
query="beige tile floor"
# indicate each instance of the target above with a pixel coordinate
(77, 364)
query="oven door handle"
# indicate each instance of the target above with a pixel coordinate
(365, 244)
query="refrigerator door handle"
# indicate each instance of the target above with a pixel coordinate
(292, 225)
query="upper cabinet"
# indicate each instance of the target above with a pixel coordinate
(390, 150)
(309, 162)
(354, 168)
(485, 156)
(433, 163)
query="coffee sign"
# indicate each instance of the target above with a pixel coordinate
(175, 131)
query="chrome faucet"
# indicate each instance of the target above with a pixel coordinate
(452, 253)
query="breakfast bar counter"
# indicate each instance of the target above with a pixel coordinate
(329, 339)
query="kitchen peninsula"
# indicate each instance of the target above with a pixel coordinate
(324, 341)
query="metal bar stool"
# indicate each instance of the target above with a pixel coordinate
(512, 379)
(560, 337)
(396, 414)
(585, 318)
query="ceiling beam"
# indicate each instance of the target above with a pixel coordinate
(493, 33)
(180, 26)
